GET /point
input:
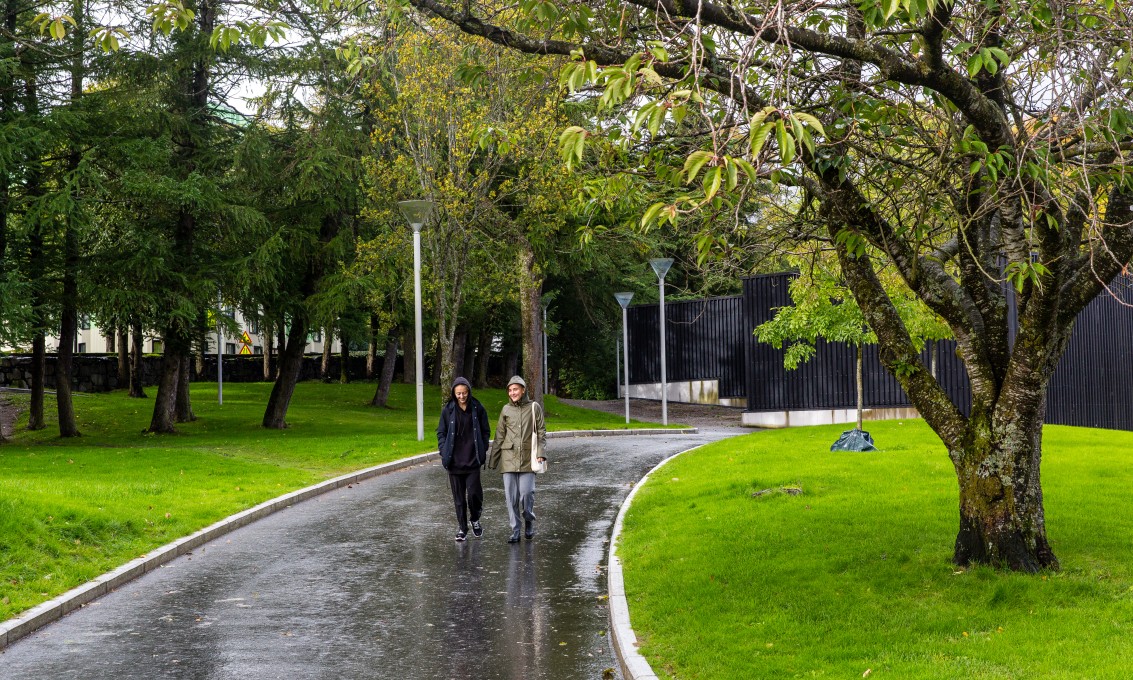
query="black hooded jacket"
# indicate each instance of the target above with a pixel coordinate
(447, 429)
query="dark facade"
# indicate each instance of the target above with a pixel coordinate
(703, 339)
(713, 339)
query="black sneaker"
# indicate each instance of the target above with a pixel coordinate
(514, 537)
(529, 528)
(460, 536)
(477, 530)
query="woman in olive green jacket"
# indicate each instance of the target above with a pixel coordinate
(511, 455)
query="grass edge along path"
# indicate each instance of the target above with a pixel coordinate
(73, 510)
(767, 555)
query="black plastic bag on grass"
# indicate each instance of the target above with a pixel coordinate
(854, 440)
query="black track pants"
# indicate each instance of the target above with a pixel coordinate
(467, 496)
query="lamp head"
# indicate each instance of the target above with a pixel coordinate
(623, 299)
(416, 212)
(661, 266)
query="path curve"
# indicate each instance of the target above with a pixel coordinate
(366, 582)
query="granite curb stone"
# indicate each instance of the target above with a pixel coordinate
(47, 612)
(633, 664)
(623, 433)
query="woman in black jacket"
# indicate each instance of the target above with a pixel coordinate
(462, 439)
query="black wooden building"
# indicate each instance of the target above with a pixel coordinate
(713, 339)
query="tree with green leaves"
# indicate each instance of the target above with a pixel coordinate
(963, 145)
(304, 164)
(47, 188)
(824, 309)
(473, 136)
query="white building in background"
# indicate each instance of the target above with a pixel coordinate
(248, 340)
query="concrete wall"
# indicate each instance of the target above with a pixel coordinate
(779, 419)
(684, 391)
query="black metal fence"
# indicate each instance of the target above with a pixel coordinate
(1093, 383)
(704, 340)
(712, 339)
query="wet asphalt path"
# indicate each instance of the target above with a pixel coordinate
(367, 582)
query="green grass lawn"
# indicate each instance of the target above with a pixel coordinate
(852, 577)
(73, 509)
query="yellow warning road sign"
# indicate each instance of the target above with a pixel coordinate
(245, 349)
(246, 339)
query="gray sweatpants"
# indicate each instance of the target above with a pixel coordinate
(519, 492)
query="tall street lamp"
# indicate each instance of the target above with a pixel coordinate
(623, 300)
(417, 213)
(219, 349)
(661, 267)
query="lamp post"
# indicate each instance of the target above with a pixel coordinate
(417, 213)
(546, 378)
(623, 300)
(219, 350)
(661, 267)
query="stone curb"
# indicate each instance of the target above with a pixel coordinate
(633, 664)
(43, 614)
(623, 433)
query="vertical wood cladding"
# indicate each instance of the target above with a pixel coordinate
(713, 339)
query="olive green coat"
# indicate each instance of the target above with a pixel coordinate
(511, 449)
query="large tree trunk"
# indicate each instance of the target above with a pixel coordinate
(442, 361)
(997, 449)
(137, 372)
(531, 314)
(171, 403)
(468, 369)
(266, 332)
(483, 354)
(290, 362)
(184, 407)
(281, 342)
(165, 404)
(1002, 520)
(344, 354)
(444, 369)
(381, 395)
(409, 352)
(68, 427)
(324, 365)
(38, 358)
(372, 348)
(459, 342)
(202, 344)
(123, 355)
(511, 363)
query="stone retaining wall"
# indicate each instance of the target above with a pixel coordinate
(99, 372)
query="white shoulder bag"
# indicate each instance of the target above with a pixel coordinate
(537, 466)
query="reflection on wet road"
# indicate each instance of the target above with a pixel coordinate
(367, 582)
